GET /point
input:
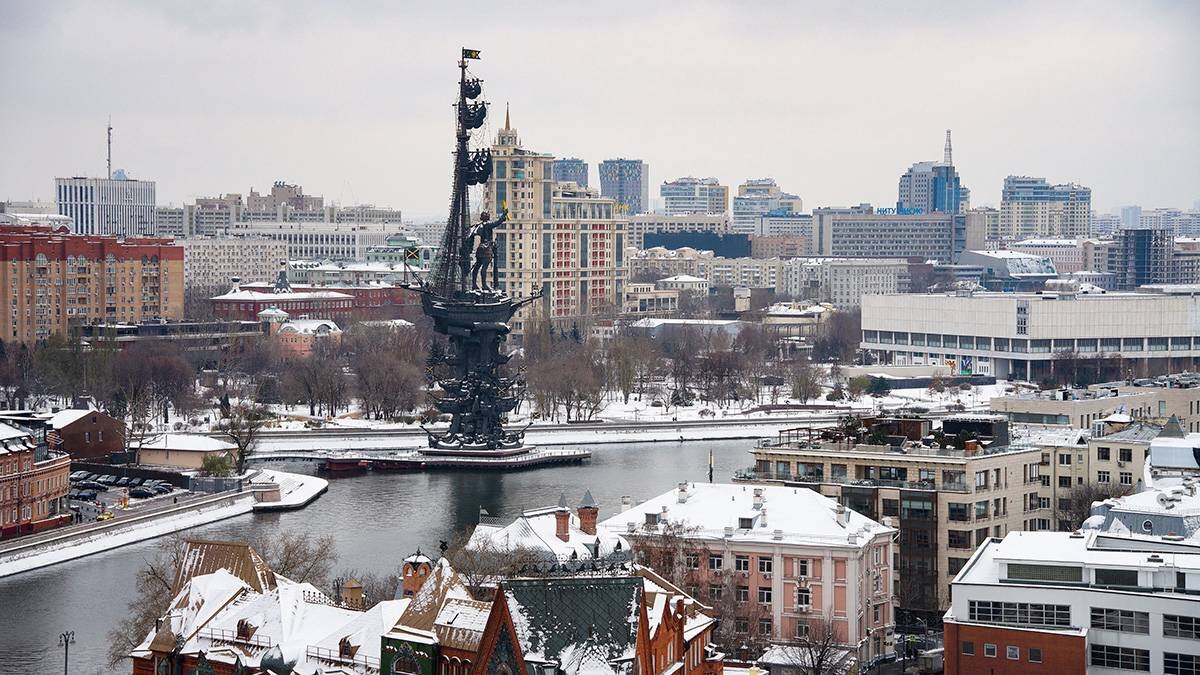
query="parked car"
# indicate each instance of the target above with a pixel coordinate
(107, 515)
(142, 492)
(85, 496)
(134, 482)
(163, 488)
(122, 482)
(92, 476)
(78, 475)
(108, 480)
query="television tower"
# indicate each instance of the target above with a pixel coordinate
(109, 148)
(946, 156)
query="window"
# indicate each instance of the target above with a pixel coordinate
(716, 562)
(1126, 658)
(803, 597)
(802, 568)
(1103, 454)
(1064, 459)
(891, 507)
(742, 594)
(692, 561)
(741, 563)
(1126, 478)
(959, 539)
(1124, 620)
(715, 591)
(968, 648)
(1113, 577)
(1103, 477)
(1181, 664)
(981, 510)
(1025, 613)
(959, 512)
(764, 626)
(989, 650)
(1035, 655)
(1012, 653)
(764, 595)
(741, 626)
(764, 565)
(955, 564)
(1175, 625)
(875, 612)
(1125, 454)
(980, 480)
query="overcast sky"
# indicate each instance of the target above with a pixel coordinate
(834, 100)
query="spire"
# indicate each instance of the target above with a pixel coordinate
(947, 157)
(507, 124)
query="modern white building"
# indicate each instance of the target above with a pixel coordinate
(792, 557)
(1019, 335)
(689, 195)
(648, 223)
(757, 197)
(771, 224)
(119, 206)
(1083, 602)
(319, 240)
(843, 281)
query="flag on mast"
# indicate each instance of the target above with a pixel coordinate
(470, 53)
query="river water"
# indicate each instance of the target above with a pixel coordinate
(376, 520)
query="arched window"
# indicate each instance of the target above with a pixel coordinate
(405, 664)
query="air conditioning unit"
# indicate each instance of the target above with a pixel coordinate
(1121, 464)
(803, 608)
(745, 573)
(766, 575)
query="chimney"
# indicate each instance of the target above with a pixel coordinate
(682, 496)
(762, 517)
(758, 498)
(589, 513)
(626, 503)
(562, 519)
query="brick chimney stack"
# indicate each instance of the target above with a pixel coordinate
(562, 519)
(589, 513)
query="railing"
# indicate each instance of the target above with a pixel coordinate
(226, 635)
(751, 474)
(335, 656)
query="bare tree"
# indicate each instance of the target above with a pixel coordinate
(804, 379)
(242, 428)
(298, 557)
(480, 564)
(1076, 506)
(817, 651)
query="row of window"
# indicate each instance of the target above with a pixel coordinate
(1019, 613)
(1011, 652)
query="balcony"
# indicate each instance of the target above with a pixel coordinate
(753, 474)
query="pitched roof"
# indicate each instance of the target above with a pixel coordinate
(188, 443)
(535, 531)
(240, 560)
(443, 584)
(461, 622)
(584, 624)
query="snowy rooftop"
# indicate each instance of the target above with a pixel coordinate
(63, 418)
(683, 278)
(794, 309)
(535, 530)
(259, 296)
(736, 512)
(14, 439)
(1169, 452)
(654, 323)
(309, 326)
(1092, 549)
(187, 443)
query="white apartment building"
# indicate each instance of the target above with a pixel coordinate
(757, 197)
(329, 273)
(843, 281)
(785, 223)
(744, 272)
(1069, 255)
(319, 240)
(792, 558)
(849, 233)
(1084, 602)
(118, 206)
(646, 223)
(688, 195)
(1019, 335)
(210, 262)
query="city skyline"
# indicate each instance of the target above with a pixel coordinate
(357, 115)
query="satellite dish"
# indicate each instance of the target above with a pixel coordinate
(1164, 500)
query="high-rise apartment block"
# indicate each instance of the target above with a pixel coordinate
(562, 239)
(859, 232)
(571, 170)
(757, 197)
(1031, 207)
(1179, 223)
(688, 195)
(626, 182)
(932, 187)
(211, 262)
(118, 206)
(56, 279)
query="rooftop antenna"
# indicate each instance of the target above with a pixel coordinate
(948, 153)
(109, 147)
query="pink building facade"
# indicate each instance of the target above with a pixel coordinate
(796, 563)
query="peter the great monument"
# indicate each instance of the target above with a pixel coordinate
(464, 299)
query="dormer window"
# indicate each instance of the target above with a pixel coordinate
(651, 519)
(745, 523)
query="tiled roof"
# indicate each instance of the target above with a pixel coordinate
(205, 557)
(584, 624)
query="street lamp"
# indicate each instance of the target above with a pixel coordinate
(65, 640)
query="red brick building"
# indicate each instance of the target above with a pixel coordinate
(85, 434)
(371, 301)
(242, 304)
(34, 482)
(56, 279)
(998, 650)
